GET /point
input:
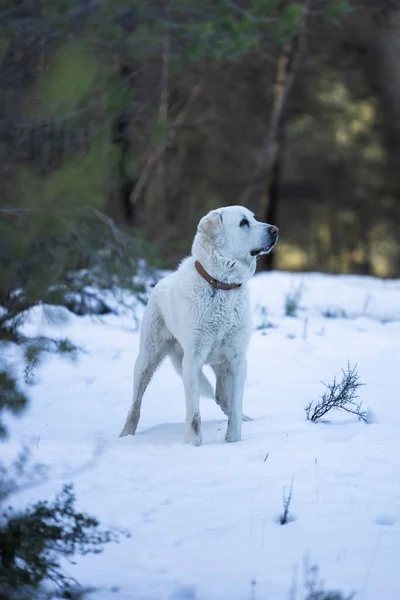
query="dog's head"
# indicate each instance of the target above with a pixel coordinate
(236, 234)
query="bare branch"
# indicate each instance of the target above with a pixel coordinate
(341, 395)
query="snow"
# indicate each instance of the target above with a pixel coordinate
(203, 521)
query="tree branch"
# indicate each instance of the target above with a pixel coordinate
(155, 154)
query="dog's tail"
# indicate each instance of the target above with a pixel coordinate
(206, 389)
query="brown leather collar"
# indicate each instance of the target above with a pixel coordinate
(218, 285)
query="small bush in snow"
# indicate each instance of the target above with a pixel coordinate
(334, 313)
(262, 320)
(35, 347)
(315, 590)
(12, 398)
(286, 516)
(292, 300)
(341, 395)
(35, 542)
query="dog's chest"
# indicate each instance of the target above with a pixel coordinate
(225, 311)
(226, 328)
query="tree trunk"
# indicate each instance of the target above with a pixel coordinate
(252, 195)
(375, 36)
(163, 115)
(267, 174)
(270, 215)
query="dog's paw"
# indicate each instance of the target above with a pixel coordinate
(196, 440)
(127, 430)
(193, 438)
(233, 436)
(193, 431)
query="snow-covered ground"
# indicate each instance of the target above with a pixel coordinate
(203, 521)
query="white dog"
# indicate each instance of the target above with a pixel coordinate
(201, 314)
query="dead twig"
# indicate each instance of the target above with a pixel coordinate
(286, 517)
(341, 395)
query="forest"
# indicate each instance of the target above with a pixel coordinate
(152, 112)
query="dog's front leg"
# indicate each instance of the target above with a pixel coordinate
(237, 376)
(191, 369)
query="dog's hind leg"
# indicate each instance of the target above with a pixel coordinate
(235, 378)
(176, 355)
(222, 394)
(154, 345)
(221, 391)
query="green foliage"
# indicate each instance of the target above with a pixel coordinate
(79, 260)
(19, 474)
(292, 301)
(34, 542)
(335, 10)
(343, 122)
(81, 180)
(290, 21)
(5, 41)
(32, 355)
(34, 348)
(11, 398)
(160, 132)
(116, 96)
(217, 30)
(68, 80)
(69, 63)
(57, 9)
(65, 346)
(50, 257)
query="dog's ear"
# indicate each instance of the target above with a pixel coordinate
(211, 226)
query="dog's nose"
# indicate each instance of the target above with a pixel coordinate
(273, 230)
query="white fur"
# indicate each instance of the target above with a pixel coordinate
(187, 319)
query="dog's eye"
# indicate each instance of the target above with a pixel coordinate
(244, 222)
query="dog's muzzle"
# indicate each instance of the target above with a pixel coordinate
(273, 238)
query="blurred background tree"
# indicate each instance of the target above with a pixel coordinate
(155, 111)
